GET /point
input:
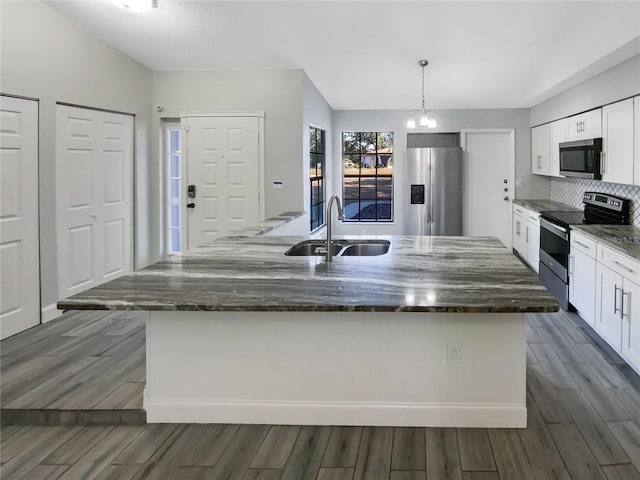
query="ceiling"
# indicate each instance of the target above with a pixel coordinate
(364, 54)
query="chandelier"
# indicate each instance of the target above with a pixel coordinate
(426, 118)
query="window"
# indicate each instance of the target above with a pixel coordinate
(367, 166)
(316, 174)
(174, 188)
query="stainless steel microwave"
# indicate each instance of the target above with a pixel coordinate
(582, 159)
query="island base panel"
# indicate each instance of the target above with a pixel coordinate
(337, 368)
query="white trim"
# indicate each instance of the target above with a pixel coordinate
(50, 312)
(337, 413)
(257, 113)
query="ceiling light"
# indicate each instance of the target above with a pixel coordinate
(136, 5)
(426, 117)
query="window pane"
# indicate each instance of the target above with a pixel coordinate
(174, 142)
(321, 208)
(312, 164)
(368, 210)
(319, 164)
(351, 142)
(314, 217)
(175, 190)
(367, 188)
(384, 210)
(175, 165)
(175, 216)
(315, 193)
(385, 142)
(351, 164)
(351, 188)
(175, 240)
(368, 142)
(385, 187)
(313, 147)
(351, 209)
(320, 141)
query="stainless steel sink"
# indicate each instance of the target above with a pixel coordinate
(369, 249)
(313, 247)
(341, 248)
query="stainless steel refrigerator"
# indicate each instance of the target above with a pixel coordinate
(434, 182)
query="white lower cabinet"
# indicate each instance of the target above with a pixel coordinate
(532, 238)
(631, 322)
(519, 235)
(526, 235)
(608, 297)
(582, 284)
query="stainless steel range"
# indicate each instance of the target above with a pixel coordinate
(555, 232)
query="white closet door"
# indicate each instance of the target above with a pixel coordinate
(19, 256)
(223, 164)
(94, 167)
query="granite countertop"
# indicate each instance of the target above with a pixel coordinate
(269, 224)
(418, 274)
(542, 205)
(623, 238)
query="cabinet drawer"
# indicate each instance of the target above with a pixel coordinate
(619, 263)
(520, 210)
(533, 218)
(583, 244)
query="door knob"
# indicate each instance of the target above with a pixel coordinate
(506, 199)
(191, 205)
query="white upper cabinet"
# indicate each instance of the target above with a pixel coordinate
(585, 125)
(540, 150)
(558, 134)
(636, 141)
(617, 142)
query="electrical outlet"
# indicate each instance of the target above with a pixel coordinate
(454, 353)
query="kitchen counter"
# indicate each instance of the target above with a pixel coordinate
(542, 205)
(623, 238)
(419, 274)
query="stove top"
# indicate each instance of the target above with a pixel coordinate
(565, 218)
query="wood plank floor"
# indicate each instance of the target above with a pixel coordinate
(584, 423)
(83, 368)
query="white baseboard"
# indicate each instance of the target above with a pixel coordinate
(50, 312)
(351, 414)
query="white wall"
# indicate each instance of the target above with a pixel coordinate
(48, 57)
(316, 112)
(276, 92)
(533, 186)
(619, 82)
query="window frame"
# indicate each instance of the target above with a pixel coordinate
(375, 176)
(316, 153)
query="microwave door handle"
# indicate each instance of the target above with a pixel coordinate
(602, 166)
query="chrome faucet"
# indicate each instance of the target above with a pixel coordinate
(340, 217)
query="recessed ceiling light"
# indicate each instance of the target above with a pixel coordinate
(136, 5)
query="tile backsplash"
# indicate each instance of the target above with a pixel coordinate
(570, 191)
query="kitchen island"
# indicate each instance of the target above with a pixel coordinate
(433, 333)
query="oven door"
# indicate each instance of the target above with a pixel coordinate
(554, 248)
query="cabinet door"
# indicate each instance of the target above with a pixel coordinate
(636, 139)
(631, 323)
(617, 142)
(519, 232)
(608, 303)
(540, 150)
(582, 284)
(592, 124)
(533, 244)
(558, 134)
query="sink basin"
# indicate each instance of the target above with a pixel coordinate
(312, 247)
(369, 249)
(340, 247)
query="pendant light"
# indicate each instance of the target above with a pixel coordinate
(425, 117)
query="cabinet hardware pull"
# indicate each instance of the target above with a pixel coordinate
(571, 260)
(582, 244)
(623, 266)
(622, 314)
(527, 235)
(615, 299)
(628, 317)
(601, 163)
(539, 159)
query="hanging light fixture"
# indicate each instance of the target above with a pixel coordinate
(136, 5)
(425, 117)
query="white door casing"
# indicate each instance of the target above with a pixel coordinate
(224, 161)
(19, 247)
(489, 160)
(94, 190)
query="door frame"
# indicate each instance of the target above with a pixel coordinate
(133, 192)
(511, 174)
(260, 115)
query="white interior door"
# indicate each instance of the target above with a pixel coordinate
(19, 255)
(222, 159)
(94, 170)
(489, 164)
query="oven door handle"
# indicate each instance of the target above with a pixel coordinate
(555, 229)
